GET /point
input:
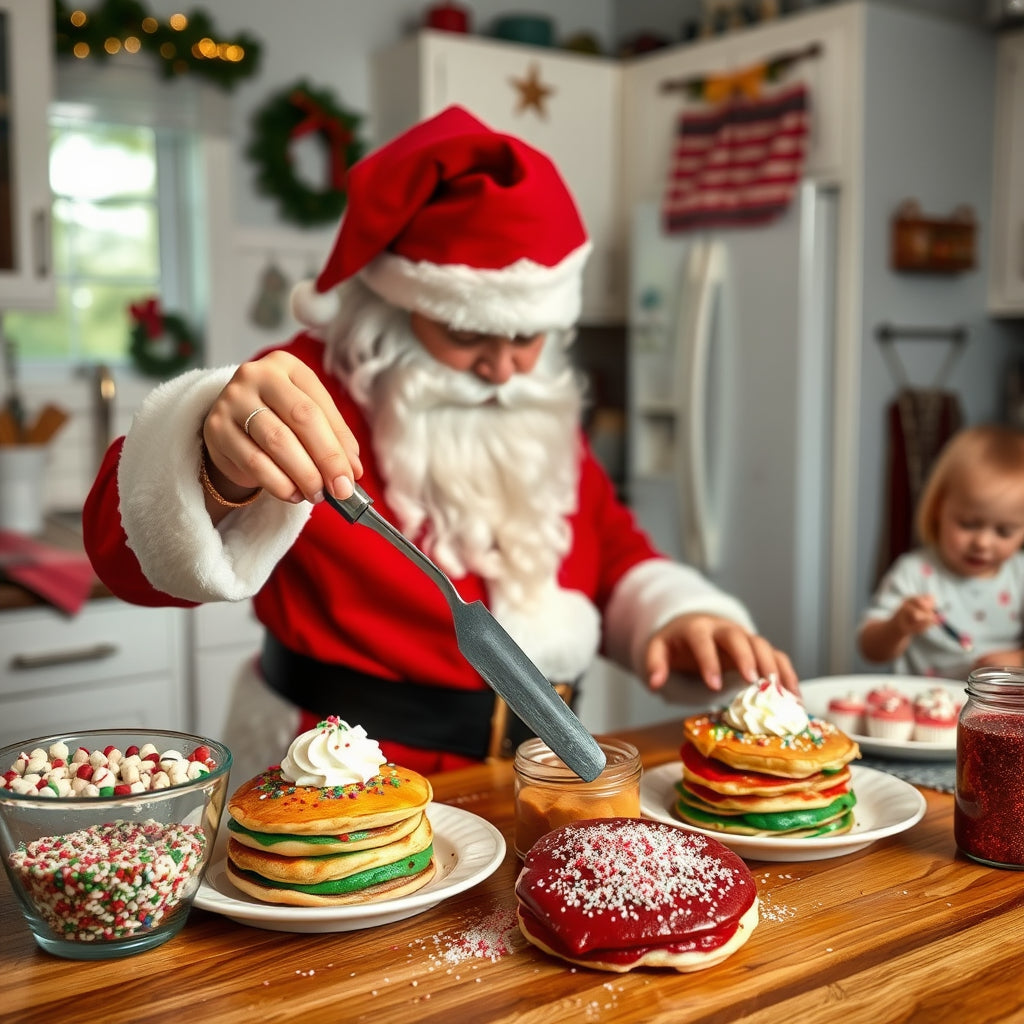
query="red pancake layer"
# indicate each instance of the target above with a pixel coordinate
(792, 800)
(620, 886)
(719, 776)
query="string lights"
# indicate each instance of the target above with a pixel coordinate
(181, 44)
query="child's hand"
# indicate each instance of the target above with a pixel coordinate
(997, 659)
(916, 615)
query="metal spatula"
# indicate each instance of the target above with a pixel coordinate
(486, 645)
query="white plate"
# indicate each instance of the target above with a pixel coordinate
(818, 692)
(467, 849)
(885, 805)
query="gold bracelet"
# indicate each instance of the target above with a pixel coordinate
(204, 479)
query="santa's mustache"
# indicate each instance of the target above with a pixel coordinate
(372, 347)
(424, 383)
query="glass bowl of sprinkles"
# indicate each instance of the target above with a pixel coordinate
(105, 835)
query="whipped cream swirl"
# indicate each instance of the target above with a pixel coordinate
(767, 709)
(332, 754)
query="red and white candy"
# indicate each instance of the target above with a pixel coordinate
(109, 772)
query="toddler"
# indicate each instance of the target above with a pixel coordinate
(955, 603)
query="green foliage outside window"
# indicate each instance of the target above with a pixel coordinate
(106, 243)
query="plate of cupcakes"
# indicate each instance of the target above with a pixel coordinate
(903, 717)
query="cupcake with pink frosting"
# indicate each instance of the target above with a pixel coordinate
(881, 695)
(935, 717)
(846, 712)
(891, 718)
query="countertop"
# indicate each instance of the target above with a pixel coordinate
(62, 531)
(904, 930)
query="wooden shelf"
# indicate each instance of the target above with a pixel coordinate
(932, 245)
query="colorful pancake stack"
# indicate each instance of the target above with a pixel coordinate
(619, 893)
(762, 767)
(332, 825)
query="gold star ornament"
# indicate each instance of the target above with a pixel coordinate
(533, 93)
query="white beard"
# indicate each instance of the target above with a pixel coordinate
(481, 476)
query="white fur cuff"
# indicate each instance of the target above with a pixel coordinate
(164, 512)
(560, 635)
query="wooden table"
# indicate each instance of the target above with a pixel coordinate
(905, 930)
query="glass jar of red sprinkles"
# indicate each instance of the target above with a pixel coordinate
(990, 769)
(549, 794)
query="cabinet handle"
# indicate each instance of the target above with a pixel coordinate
(42, 247)
(67, 657)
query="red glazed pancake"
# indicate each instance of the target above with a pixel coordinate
(619, 893)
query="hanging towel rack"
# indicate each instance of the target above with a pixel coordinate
(770, 68)
(888, 333)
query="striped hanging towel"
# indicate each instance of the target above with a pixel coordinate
(739, 163)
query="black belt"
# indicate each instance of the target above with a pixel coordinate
(415, 715)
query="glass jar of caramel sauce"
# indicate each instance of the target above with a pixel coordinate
(549, 794)
(988, 819)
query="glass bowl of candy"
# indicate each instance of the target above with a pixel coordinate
(105, 835)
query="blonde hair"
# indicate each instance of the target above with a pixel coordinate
(993, 447)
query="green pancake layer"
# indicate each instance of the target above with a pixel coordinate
(272, 838)
(411, 865)
(770, 821)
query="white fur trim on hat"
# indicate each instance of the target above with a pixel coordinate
(313, 308)
(164, 512)
(651, 594)
(560, 634)
(523, 298)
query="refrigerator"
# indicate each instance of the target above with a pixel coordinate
(730, 339)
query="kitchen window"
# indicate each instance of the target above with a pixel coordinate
(119, 235)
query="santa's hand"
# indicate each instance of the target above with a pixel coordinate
(275, 426)
(707, 645)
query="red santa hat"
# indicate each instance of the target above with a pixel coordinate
(463, 224)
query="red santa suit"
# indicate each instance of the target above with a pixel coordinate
(341, 596)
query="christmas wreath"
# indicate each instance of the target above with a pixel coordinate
(161, 343)
(297, 111)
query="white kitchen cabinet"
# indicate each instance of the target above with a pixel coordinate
(577, 125)
(224, 635)
(112, 664)
(26, 87)
(1006, 270)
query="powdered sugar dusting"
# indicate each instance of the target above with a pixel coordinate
(487, 938)
(594, 870)
(490, 938)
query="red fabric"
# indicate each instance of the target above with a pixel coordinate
(738, 163)
(62, 578)
(342, 594)
(452, 191)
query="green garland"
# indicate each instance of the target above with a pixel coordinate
(151, 327)
(182, 45)
(288, 115)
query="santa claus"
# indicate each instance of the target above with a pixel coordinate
(434, 369)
